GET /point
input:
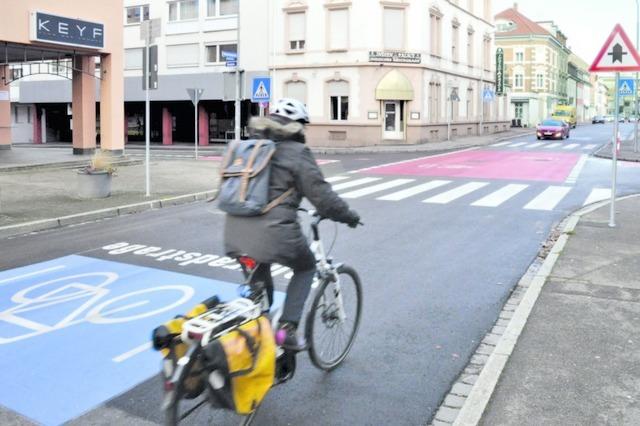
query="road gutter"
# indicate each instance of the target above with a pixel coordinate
(469, 396)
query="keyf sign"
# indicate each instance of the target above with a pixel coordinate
(68, 31)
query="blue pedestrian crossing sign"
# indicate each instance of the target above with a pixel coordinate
(261, 89)
(626, 87)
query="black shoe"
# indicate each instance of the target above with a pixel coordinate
(287, 337)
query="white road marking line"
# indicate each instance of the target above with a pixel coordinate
(553, 145)
(30, 274)
(548, 199)
(406, 193)
(575, 172)
(598, 194)
(571, 146)
(444, 154)
(535, 145)
(376, 188)
(353, 183)
(133, 352)
(500, 143)
(336, 178)
(514, 145)
(500, 196)
(590, 146)
(455, 193)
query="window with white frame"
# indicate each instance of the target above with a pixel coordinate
(339, 100)
(183, 10)
(455, 39)
(217, 53)
(518, 80)
(393, 28)
(296, 90)
(222, 7)
(133, 58)
(436, 32)
(22, 114)
(519, 56)
(469, 102)
(183, 55)
(338, 36)
(540, 81)
(137, 14)
(297, 30)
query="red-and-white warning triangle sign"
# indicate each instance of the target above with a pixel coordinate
(617, 54)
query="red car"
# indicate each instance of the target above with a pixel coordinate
(553, 129)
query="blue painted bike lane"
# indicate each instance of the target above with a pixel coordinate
(75, 331)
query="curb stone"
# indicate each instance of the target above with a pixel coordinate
(523, 299)
(75, 219)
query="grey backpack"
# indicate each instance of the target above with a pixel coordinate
(245, 173)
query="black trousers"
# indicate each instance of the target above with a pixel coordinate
(304, 269)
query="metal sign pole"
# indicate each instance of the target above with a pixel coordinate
(195, 106)
(614, 156)
(147, 125)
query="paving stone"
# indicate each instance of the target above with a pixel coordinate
(473, 369)
(499, 330)
(502, 322)
(440, 423)
(470, 380)
(454, 401)
(479, 359)
(461, 389)
(491, 339)
(447, 414)
(485, 349)
(506, 315)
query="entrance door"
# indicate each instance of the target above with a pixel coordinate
(393, 123)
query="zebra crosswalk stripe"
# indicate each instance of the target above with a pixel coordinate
(548, 199)
(553, 145)
(571, 146)
(500, 144)
(376, 188)
(590, 146)
(336, 178)
(500, 196)
(535, 145)
(598, 194)
(455, 193)
(414, 190)
(513, 145)
(353, 183)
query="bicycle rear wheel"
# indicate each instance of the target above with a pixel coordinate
(333, 320)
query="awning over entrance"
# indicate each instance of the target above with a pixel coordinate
(394, 86)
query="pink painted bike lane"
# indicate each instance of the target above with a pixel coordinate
(479, 164)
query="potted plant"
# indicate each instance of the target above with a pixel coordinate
(94, 180)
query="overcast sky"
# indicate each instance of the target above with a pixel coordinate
(586, 23)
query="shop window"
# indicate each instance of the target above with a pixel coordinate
(137, 14)
(296, 90)
(22, 114)
(222, 7)
(393, 28)
(182, 55)
(133, 59)
(183, 10)
(338, 36)
(297, 31)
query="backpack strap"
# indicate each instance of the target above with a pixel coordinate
(277, 200)
(246, 173)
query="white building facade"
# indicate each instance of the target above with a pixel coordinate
(382, 72)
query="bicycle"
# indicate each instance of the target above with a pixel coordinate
(328, 309)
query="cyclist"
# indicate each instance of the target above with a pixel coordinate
(276, 237)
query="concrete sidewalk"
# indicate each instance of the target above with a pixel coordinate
(577, 361)
(38, 182)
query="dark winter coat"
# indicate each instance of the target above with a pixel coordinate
(276, 237)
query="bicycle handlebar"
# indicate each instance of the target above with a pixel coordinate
(317, 217)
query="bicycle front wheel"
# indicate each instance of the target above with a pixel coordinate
(334, 318)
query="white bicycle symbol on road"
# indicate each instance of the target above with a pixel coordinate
(95, 309)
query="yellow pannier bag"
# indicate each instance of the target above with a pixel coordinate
(240, 366)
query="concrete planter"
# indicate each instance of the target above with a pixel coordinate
(95, 184)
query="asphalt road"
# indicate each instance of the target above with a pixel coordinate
(437, 261)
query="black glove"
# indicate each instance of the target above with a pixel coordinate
(354, 219)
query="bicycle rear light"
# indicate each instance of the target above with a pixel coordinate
(247, 262)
